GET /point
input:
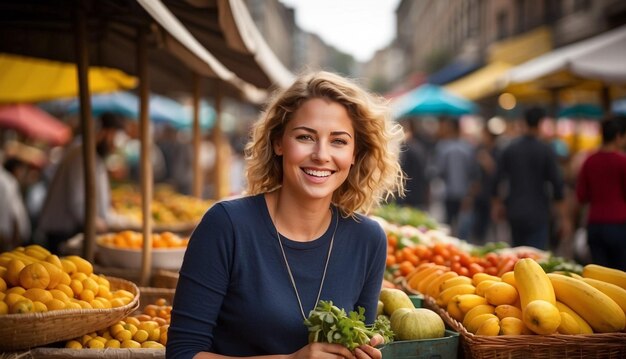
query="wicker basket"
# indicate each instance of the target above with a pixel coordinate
(149, 295)
(601, 345)
(23, 331)
(164, 279)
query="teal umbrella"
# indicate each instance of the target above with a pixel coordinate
(432, 100)
(582, 110)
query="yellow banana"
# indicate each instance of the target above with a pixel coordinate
(605, 274)
(465, 302)
(506, 310)
(532, 282)
(483, 285)
(446, 295)
(418, 277)
(454, 310)
(614, 292)
(479, 277)
(454, 281)
(433, 289)
(595, 307)
(490, 327)
(569, 274)
(478, 320)
(582, 324)
(423, 284)
(509, 277)
(568, 325)
(476, 311)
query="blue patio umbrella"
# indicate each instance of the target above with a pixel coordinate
(162, 109)
(431, 100)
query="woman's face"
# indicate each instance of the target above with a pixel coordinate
(317, 149)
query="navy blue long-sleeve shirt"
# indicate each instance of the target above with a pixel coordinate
(234, 296)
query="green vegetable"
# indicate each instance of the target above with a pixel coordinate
(329, 324)
(555, 264)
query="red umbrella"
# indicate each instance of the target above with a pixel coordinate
(34, 123)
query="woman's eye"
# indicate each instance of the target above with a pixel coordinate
(304, 137)
(340, 141)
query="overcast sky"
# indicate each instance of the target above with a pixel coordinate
(357, 27)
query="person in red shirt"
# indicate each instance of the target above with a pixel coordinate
(601, 184)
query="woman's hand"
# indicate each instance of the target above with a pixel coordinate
(323, 351)
(368, 351)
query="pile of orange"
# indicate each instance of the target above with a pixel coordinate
(34, 280)
(134, 240)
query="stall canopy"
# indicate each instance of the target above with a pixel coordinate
(27, 79)
(34, 123)
(502, 56)
(599, 58)
(431, 100)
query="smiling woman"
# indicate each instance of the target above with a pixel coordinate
(323, 152)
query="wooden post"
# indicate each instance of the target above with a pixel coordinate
(146, 158)
(197, 138)
(219, 177)
(87, 130)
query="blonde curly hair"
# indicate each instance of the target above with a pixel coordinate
(376, 174)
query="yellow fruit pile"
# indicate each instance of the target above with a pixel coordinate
(168, 207)
(34, 280)
(146, 330)
(132, 239)
(526, 300)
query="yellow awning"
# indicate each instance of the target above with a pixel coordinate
(26, 79)
(480, 83)
(521, 48)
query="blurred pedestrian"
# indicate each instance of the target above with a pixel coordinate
(14, 222)
(486, 158)
(413, 159)
(63, 212)
(602, 186)
(529, 169)
(456, 165)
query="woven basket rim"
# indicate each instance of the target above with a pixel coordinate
(68, 319)
(511, 341)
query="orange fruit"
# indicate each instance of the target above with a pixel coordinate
(14, 267)
(39, 307)
(55, 273)
(3, 285)
(34, 275)
(55, 304)
(4, 308)
(38, 294)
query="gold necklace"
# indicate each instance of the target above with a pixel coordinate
(293, 281)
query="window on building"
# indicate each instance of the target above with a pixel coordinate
(520, 9)
(502, 23)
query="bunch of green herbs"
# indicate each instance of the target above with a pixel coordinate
(330, 324)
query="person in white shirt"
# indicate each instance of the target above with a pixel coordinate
(63, 212)
(14, 222)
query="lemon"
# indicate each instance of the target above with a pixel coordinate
(95, 344)
(130, 344)
(112, 343)
(4, 308)
(73, 344)
(140, 336)
(55, 304)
